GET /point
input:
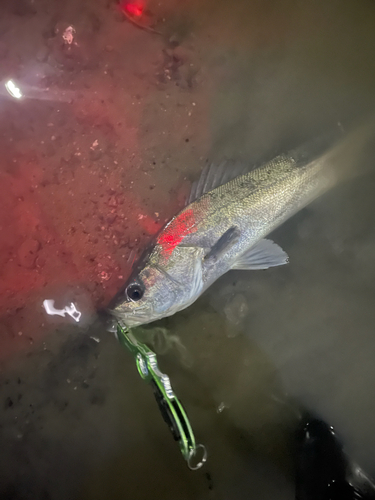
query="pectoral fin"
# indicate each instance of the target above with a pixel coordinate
(263, 255)
(228, 239)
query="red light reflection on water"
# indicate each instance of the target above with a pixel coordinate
(134, 9)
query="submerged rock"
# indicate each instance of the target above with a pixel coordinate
(236, 309)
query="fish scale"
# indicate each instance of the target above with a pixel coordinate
(258, 201)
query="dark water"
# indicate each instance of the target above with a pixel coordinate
(251, 79)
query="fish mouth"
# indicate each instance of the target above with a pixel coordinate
(133, 318)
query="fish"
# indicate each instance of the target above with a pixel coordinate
(231, 210)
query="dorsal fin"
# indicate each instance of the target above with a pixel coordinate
(215, 175)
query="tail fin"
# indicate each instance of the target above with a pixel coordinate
(354, 154)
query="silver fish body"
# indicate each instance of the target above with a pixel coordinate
(222, 229)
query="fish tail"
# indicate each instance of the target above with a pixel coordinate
(354, 155)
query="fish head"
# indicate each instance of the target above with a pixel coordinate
(162, 285)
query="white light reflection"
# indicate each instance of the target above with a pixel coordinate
(13, 90)
(71, 310)
(68, 35)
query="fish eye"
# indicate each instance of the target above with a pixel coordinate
(134, 292)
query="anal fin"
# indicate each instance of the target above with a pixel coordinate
(262, 255)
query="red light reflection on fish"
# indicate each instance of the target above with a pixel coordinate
(179, 227)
